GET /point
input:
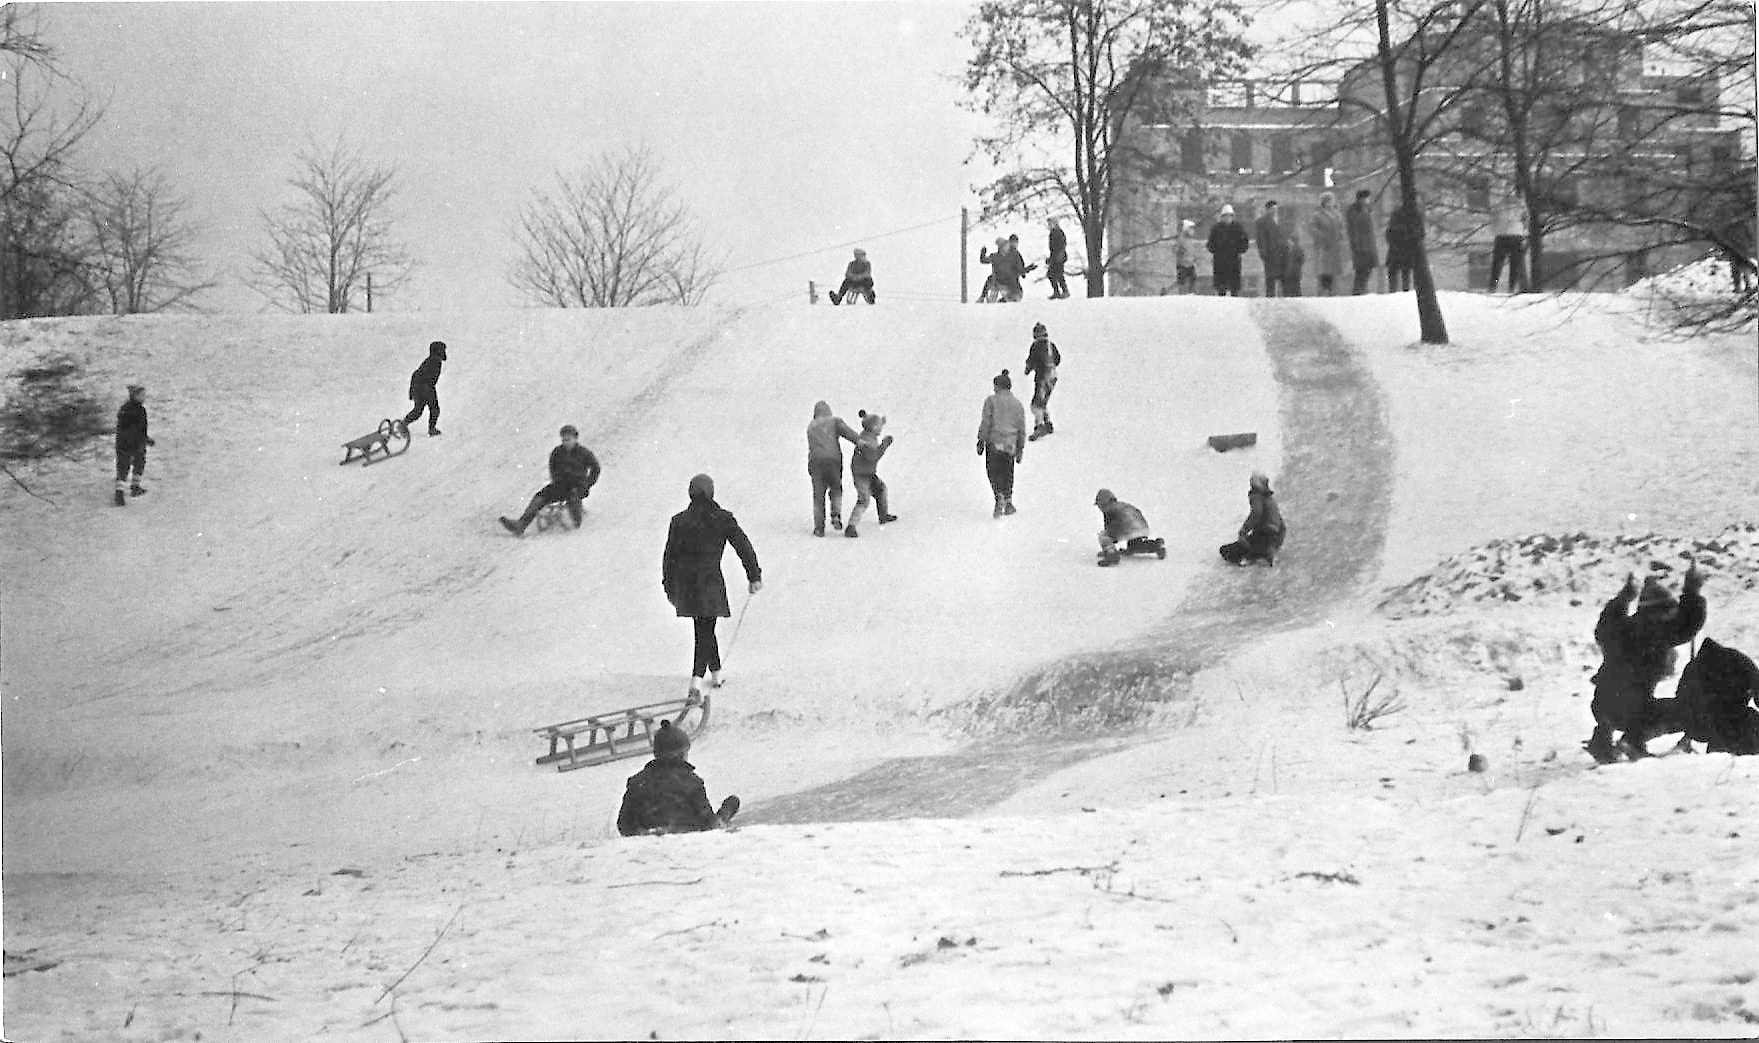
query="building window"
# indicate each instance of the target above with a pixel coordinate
(1240, 153)
(1689, 94)
(1319, 155)
(1630, 122)
(1282, 154)
(1191, 158)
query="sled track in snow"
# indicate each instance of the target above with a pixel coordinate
(1335, 489)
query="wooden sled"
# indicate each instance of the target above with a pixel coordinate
(377, 442)
(619, 734)
(1223, 443)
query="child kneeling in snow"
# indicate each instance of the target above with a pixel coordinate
(668, 796)
(864, 471)
(1261, 534)
(1125, 532)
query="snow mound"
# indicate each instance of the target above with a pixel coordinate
(1545, 567)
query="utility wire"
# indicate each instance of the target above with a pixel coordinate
(834, 246)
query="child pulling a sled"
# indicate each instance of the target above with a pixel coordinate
(1126, 531)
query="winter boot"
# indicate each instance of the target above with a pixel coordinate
(1599, 746)
(1007, 505)
(1037, 433)
(714, 679)
(850, 531)
(694, 696)
(1049, 428)
(576, 512)
(836, 297)
(506, 523)
(837, 520)
(884, 518)
(729, 808)
(998, 510)
(1109, 556)
(136, 490)
(121, 501)
(818, 530)
(432, 431)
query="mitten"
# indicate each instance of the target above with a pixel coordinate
(886, 441)
(980, 447)
(151, 442)
(1019, 456)
(1630, 588)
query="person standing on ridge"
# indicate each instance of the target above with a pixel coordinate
(131, 443)
(1227, 244)
(1326, 229)
(1001, 440)
(1364, 244)
(690, 574)
(1273, 250)
(424, 388)
(1057, 258)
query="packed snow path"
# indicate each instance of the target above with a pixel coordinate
(1334, 485)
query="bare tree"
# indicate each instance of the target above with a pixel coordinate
(611, 236)
(142, 243)
(1063, 77)
(42, 254)
(335, 236)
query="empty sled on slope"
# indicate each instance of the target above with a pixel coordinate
(378, 441)
(613, 736)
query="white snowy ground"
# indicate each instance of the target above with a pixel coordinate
(267, 757)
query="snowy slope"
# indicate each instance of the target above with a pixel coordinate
(273, 668)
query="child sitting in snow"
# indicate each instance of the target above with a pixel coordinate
(1261, 534)
(1125, 532)
(668, 796)
(864, 471)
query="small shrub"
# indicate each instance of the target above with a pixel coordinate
(1361, 711)
(50, 411)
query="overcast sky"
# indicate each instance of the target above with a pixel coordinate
(788, 127)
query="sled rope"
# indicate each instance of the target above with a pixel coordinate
(736, 625)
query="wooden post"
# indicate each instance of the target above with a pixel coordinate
(811, 291)
(964, 253)
(369, 293)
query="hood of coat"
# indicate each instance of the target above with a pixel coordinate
(822, 409)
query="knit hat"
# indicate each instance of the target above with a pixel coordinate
(1103, 497)
(702, 487)
(1259, 481)
(1654, 596)
(1038, 330)
(570, 429)
(1228, 209)
(871, 422)
(859, 252)
(132, 388)
(670, 740)
(1002, 381)
(438, 347)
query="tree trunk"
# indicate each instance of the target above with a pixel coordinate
(1431, 326)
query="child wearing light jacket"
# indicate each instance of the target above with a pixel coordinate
(864, 470)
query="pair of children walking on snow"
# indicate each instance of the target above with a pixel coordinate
(825, 434)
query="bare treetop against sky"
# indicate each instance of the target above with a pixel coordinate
(788, 127)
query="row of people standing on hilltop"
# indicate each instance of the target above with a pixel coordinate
(1343, 242)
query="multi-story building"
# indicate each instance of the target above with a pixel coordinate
(1611, 136)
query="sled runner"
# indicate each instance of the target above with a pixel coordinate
(619, 734)
(553, 516)
(379, 442)
(1139, 545)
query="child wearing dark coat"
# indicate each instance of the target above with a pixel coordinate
(667, 796)
(574, 470)
(864, 470)
(424, 388)
(131, 443)
(1637, 651)
(1261, 534)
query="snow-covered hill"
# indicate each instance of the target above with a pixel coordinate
(273, 668)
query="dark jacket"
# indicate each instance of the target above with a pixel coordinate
(426, 376)
(1273, 244)
(1227, 241)
(824, 433)
(1123, 520)
(574, 467)
(667, 796)
(860, 270)
(131, 427)
(1404, 230)
(1637, 651)
(1359, 226)
(690, 570)
(1043, 357)
(1263, 529)
(1714, 694)
(1059, 246)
